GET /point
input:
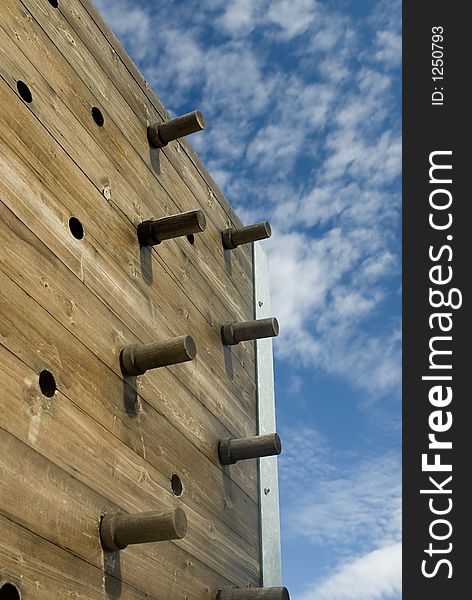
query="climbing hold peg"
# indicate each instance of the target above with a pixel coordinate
(232, 238)
(160, 134)
(119, 530)
(136, 359)
(253, 593)
(155, 231)
(232, 450)
(233, 333)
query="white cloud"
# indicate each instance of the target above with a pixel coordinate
(326, 36)
(323, 294)
(293, 17)
(348, 501)
(234, 82)
(345, 497)
(130, 23)
(388, 41)
(238, 17)
(275, 146)
(373, 576)
(187, 57)
(389, 46)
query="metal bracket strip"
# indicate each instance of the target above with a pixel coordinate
(268, 475)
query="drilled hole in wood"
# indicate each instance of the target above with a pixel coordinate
(76, 228)
(24, 91)
(9, 592)
(47, 384)
(176, 485)
(191, 238)
(54, 3)
(97, 116)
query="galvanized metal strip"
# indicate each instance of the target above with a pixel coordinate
(268, 474)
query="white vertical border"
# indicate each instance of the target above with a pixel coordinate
(268, 476)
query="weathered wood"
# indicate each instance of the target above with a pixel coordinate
(270, 593)
(43, 571)
(100, 444)
(232, 450)
(121, 294)
(136, 359)
(99, 331)
(217, 393)
(232, 237)
(160, 134)
(104, 333)
(117, 531)
(154, 232)
(84, 19)
(57, 506)
(123, 290)
(234, 333)
(141, 189)
(60, 430)
(181, 271)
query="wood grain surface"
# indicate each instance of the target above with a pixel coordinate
(74, 293)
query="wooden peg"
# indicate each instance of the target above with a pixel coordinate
(233, 333)
(136, 359)
(153, 232)
(160, 134)
(253, 593)
(119, 530)
(232, 238)
(232, 450)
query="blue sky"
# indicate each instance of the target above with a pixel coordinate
(303, 104)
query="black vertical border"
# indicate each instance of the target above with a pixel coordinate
(427, 128)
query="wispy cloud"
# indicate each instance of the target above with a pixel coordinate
(373, 576)
(388, 41)
(131, 23)
(348, 501)
(346, 496)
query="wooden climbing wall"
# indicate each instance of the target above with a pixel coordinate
(77, 176)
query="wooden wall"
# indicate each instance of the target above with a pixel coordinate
(102, 442)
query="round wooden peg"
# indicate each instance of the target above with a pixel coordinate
(119, 530)
(253, 593)
(232, 237)
(136, 359)
(160, 134)
(155, 231)
(233, 333)
(232, 450)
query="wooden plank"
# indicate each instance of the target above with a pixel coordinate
(100, 393)
(43, 571)
(181, 264)
(188, 167)
(55, 505)
(85, 20)
(174, 254)
(78, 18)
(29, 194)
(108, 150)
(161, 306)
(88, 320)
(72, 305)
(65, 435)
